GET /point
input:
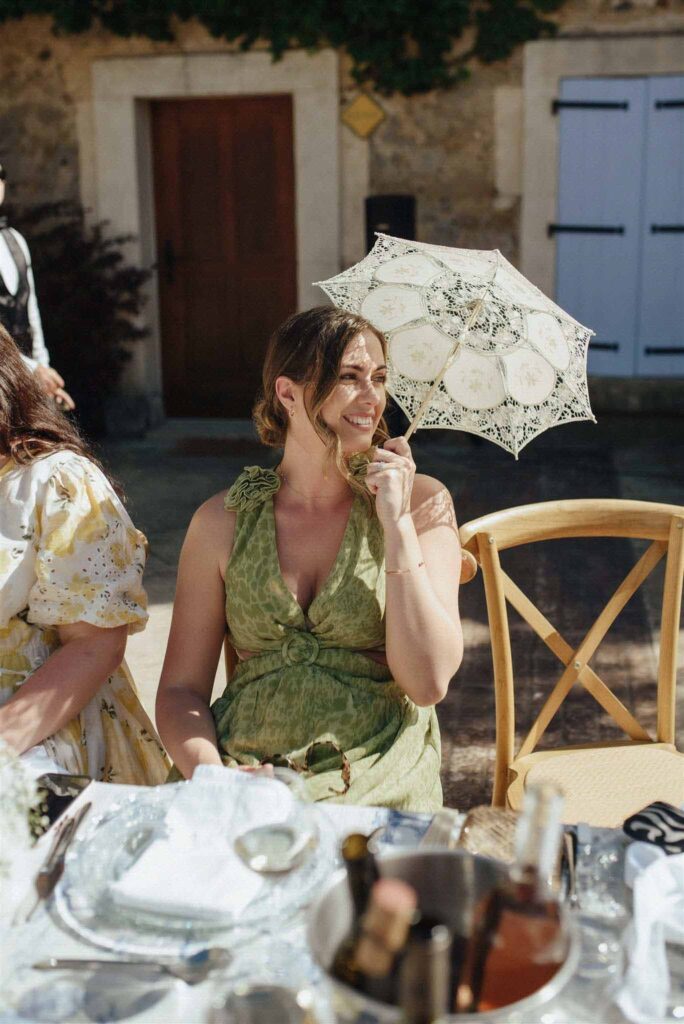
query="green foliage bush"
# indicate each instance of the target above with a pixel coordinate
(396, 45)
(89, 298)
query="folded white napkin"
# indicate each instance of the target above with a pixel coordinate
(658, 913)
(192, 869)
(204, 884)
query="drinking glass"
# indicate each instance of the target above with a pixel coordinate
(294, 782)
(285, 963)
(602, 900)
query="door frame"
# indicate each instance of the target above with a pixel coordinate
(545, 63)
(119, 187)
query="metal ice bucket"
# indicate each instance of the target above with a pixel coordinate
(449, 885)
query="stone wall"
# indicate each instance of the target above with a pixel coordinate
(460, 159)
(458, 151)
(443, 146)
(45, 85)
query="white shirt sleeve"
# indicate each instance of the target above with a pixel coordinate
(40, 354)
(31, 363)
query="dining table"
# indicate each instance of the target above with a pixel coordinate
(274, 950)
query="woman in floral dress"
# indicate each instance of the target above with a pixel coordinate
(71, 565)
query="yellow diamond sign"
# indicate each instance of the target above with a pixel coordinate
(363, 115)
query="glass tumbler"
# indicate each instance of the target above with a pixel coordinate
(602, 900)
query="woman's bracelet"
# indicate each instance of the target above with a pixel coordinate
(400, 572)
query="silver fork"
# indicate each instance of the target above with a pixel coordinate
(191, 969)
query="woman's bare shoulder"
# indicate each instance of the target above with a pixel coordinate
(214, 526)
(426, 487)
(212, 512)
(431, 504)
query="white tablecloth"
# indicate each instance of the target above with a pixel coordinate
(279, 956)
(28, 995)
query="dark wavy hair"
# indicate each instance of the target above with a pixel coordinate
(31, 426)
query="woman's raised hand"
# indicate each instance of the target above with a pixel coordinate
(390, 478)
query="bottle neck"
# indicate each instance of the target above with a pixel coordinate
(425, 974)
(385, 926)
(362, 873)
(537, 843)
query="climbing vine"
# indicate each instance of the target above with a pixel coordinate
(395, 45)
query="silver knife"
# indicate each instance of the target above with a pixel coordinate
(53, 867)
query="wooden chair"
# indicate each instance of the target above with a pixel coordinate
(603, 782)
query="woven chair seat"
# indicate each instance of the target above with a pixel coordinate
(604, 785)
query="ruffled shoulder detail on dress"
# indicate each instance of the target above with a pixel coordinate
(252, 488)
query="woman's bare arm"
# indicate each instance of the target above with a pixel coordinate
(198, 629)
(424, 639)
(63, 685)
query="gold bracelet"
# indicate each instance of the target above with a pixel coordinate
(400, 572)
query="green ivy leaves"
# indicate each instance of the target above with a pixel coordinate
(395, 45)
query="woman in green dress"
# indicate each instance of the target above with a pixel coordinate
(337, 576)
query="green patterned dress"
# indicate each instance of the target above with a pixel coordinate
(308, 697)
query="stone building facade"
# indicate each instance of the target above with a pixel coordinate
(481, 159)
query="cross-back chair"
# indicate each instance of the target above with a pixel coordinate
(603, 782)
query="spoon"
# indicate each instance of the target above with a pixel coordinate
(190, 969)
(274, 849)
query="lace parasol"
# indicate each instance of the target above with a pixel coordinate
(473, 345)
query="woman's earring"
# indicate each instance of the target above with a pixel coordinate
(291, 411)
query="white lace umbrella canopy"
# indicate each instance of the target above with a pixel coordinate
(473, 345)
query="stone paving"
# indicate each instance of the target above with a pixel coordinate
(169, 473)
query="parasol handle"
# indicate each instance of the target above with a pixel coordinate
(413, 425)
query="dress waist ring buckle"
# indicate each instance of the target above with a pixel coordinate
(300, 648)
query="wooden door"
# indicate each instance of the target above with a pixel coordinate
(224, 204)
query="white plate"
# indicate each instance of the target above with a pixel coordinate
(110, 844)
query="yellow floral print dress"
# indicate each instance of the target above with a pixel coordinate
(70, 553)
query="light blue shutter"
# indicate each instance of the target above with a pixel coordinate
(660, 341)
(600, 185)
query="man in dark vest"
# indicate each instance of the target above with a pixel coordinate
(19, 307)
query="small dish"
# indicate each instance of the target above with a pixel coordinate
(275, 849)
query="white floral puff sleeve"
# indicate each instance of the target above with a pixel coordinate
(70, 553)
(90, 557)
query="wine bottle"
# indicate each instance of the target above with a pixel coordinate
(368, 960)
(425, 973)
(518, 940)
(362, 873)
(382, 940)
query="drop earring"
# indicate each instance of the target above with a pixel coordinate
(291, 411)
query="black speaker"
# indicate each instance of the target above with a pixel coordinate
(391, 215)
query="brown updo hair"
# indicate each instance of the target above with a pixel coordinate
(308, 348)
